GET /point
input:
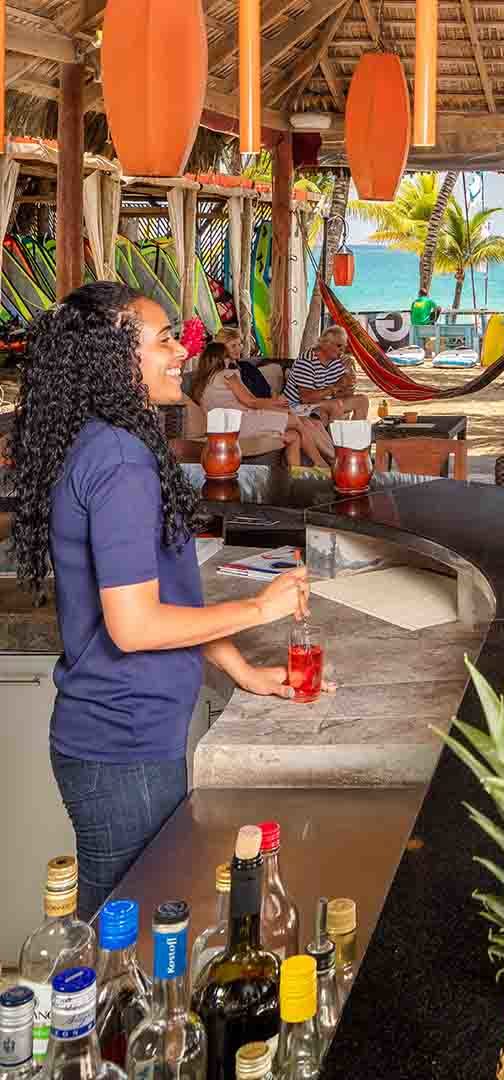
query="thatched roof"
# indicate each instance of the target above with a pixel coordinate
(310, 49)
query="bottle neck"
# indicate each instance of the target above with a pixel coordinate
(271, 871)
(169, 984)
(113, 962)
(299, 1040)
(245, 904)
(169, 998)
(244, 932)
(222, 908)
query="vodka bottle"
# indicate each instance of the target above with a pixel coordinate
(253, 1062)
(74, 1051)
(62, 941)
(123, 993)
(299, 1043)
(328, 1000)
(171, 1042)
(17, 1006)
(279, 915)
(212, 941)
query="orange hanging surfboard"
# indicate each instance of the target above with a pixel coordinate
(377, 125)
(154, 69)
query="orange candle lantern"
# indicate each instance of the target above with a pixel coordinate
(426, 44)
(377, 125)
(250, 76)
(154, 69)
(343, 267)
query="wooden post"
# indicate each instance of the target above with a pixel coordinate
(245, 314)
(282, 170)
(190, 216)
(69, 210)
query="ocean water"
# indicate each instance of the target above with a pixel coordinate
(388, 281)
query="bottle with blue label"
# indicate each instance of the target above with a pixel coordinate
(171, 1042)
(74, 1051)
(17, 1006)
(123, 989)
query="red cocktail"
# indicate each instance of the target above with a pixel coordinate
(305, 663)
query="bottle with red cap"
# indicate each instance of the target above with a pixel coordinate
(279, 914)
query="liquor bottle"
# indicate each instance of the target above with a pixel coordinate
(212, 941)
(17, 1005)
(279, 915)
(74, 1051)
(171, 1041)
(342, 930)
(328, 1002)
(123, 991)
(61, 941)
(299, 1043)
(238, 998)
(383, 410)
(253, 1062)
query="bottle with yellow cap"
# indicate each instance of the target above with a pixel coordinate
(342, 930)
(212, 941)
(299, 1047)
(253, 1062)
(62, 941)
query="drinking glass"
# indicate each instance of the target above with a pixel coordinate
(305, 661)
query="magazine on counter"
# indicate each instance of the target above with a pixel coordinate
(262, 567)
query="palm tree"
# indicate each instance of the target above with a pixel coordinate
(462, 244)
(435, 220)
(402, 223)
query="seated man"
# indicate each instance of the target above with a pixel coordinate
(322, 381)
(424, 310)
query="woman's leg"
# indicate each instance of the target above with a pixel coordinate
(357, 404)
(308, 444)
(292, 440)
(116, 810)
(321, 438)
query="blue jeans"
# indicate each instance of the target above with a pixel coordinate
(116, 810)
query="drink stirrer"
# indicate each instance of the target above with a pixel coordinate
(306, 627)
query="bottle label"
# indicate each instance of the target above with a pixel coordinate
(15, 1048)
(170, 954)
(41, 1018)
(74, 1015)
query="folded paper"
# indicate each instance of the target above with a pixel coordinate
(222, 421)
(352, 434)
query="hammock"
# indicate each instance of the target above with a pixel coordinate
(384, 373)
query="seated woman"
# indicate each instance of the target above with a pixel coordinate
(218, 385)
(252, 376)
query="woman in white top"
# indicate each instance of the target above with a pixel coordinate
(218, 385)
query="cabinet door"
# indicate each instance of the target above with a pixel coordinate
(34, 824)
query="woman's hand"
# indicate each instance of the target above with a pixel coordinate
(286, 595)
(274, 404)
(266, 681)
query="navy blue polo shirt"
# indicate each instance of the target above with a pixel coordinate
(106, 530)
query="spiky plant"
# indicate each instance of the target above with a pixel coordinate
(488, 766)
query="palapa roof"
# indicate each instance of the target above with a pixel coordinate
(309, 51)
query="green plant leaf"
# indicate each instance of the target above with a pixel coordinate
(482, 743)
(479, 770)
(493, 707)
(488, 826)
(492, 902)
(497, 871)
(495, 939)
(490, 918)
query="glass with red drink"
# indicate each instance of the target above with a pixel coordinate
(305, 661)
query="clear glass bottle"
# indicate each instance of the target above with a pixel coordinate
(212, 941)
(171, 1041)
(328, 1001)
(299, 1050)
(74, 1051)
(62, 941)
(253, 1062)
(342, 930)
(238, 998)
(17, 1005)
(279, 914)
(123, 989)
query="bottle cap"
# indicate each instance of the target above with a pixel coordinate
(341, 916)
(17, 1005)
(223, 878)
(118, 924)
(171, 913)
(73, 980)
(253, 1061)
(248, 842)
(298, 989)
(270, 836)
(323, 954)
(73, 1004)
(61, 886)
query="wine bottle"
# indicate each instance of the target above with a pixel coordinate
(299, 1049)
(328, 1001)
(17, 1005)
(212, 941)
(238, 997)
(62, 941)
(123, 990)
(74, 1052)
(171, 1041)
(253, 1062)
(279, 915)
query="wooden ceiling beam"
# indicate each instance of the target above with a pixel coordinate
(478, 55)
(33, 42)
(334, 82)
(305, 64)
(321, 45)
(371, 23)
(34, 88)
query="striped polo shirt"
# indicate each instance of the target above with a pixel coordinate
(307, 372)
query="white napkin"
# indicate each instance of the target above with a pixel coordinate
(354, 434)
(220, 421)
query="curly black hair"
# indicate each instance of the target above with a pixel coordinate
(82, 362)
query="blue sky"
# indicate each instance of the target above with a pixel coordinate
(494, 196)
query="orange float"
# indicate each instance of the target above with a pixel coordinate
(154, 70)
(343, 268)
(377, 125)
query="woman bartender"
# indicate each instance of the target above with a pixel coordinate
(102, 499)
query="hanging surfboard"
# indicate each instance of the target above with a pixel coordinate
(493, 341)
(260, 288)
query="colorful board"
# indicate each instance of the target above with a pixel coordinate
(260, 282)
(493, 341)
